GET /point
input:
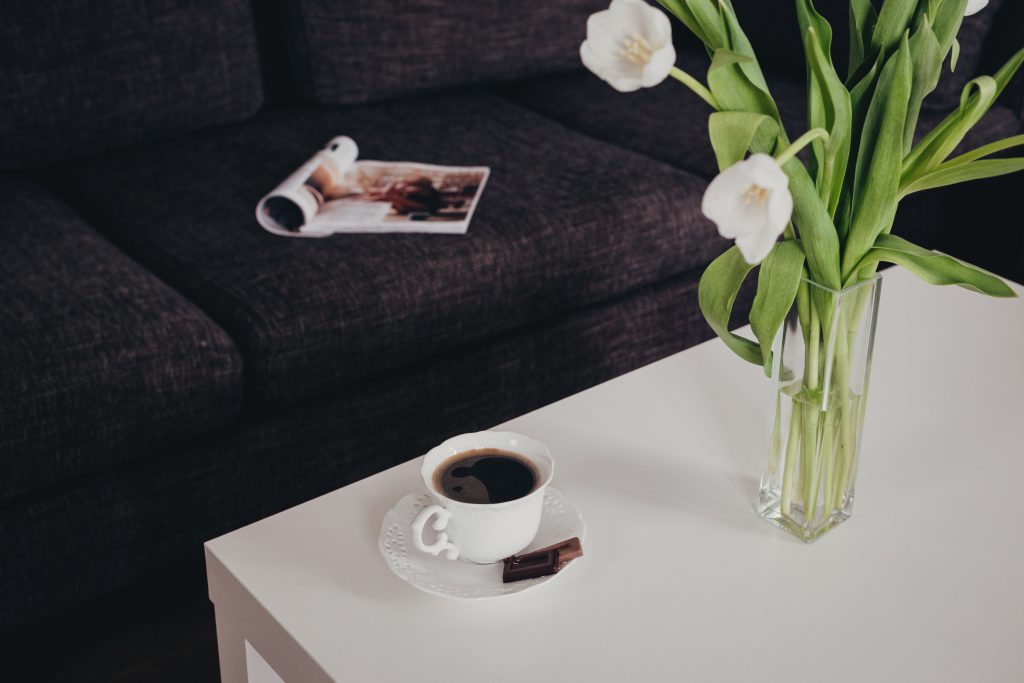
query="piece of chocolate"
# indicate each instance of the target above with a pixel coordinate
(567, 550)
(530, 566)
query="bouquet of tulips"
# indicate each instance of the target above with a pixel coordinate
(836, 211)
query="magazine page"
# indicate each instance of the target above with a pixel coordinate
(377, 196)
(333, 193)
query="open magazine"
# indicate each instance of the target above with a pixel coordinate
(332, 192)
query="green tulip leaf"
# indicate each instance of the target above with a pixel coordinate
(705, 13)
(733, 132)
(716, 295)
(962, 173)
(738, 43)
(932, 267)
(733, 89)
(830, 106)
(724, 57)
(946, 17)
(926, 59)
(893, 21)
(862, 24)
(814, 223)
(977, 98)
(986, 150)
(879, 163)
(860, 99)
(679, 9)
(777, 284)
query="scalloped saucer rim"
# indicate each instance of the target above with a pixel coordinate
(463, 580)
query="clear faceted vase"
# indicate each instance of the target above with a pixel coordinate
(821, 361)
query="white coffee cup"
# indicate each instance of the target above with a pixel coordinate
(489, 532)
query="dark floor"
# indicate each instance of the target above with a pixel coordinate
(161, 630)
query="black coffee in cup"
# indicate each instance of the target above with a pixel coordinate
(486, 475)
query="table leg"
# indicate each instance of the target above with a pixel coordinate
(231, 650)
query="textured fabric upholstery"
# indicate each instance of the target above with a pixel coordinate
(101, 362)
(78, 76)
(155, 512)
(666, 122)
(565, 221)
(362, 50)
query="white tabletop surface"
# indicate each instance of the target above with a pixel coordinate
(681, 579)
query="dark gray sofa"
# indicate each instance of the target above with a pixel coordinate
(169, 371)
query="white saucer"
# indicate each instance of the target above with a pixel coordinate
(460, 579)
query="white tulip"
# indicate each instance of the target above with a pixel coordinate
(974, 6)
(629, 45)
(750, 203)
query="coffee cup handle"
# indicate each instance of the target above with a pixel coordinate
(442, 542)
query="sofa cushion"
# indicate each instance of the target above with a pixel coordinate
(565, 221)
(79, 76)
(100, 362)
(362, 50)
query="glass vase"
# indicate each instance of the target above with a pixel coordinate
(821, 361)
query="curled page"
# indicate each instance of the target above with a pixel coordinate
(295, 203)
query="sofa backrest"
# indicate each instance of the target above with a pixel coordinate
(77, 76)
(347, 51)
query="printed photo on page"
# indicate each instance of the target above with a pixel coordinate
(333, 192)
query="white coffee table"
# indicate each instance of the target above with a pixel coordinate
(681, 580)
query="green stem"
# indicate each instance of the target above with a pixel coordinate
(801, 142)
(792, 455)
(803, 308)
(856, 424)
(696, 86)
(849, 432)
(847, 450)
(837, 371)
(804, 403)
(811, 371)
(776, 447)
(829, 451)
(812, 458)
(842, 353)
